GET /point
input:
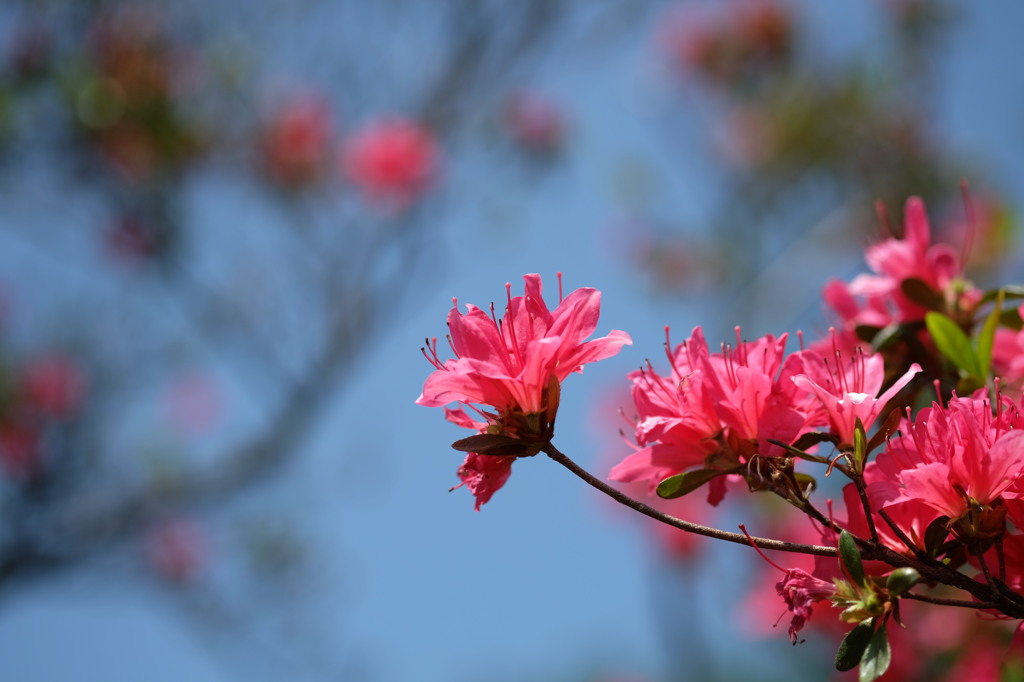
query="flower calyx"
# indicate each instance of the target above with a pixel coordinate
(516, 433)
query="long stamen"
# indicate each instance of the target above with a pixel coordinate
(512, 325)
(669, 354)
(972, 225)
(432, 358)
(882, 211)
(559, 288)
(758, 550)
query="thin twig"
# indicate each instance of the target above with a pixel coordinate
(858, 481)
(707, 531)
(942, 601)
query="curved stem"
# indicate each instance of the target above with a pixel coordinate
(862, 492)
(1010, 606)
(707, 531)
(942, 601)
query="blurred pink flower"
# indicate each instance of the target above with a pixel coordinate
(739, 40)
(53, 384)
(176, 549)
(391, 161)
(193, 402)
(131, 241)
(1008, 358)
(19, 450)
(297, 141)
(878, 299)
(533, 122)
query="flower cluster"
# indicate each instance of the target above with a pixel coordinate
(935, 493)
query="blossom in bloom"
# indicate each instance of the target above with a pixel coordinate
(297, 141)
(849, 391)
(511, 366)
(954, 459)
(392, 161)
(801, 591)
(1008, 358)
(878, 299)
(714, 409)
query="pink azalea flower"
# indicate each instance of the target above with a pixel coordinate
(296, 142)
(392, 161)
(484, 475)
(723, 407)
(1008, 358)
(801, 591)
(850, 393)
(510, 364)
(877, 299)
(950, 458)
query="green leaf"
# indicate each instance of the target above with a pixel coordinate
(888, 427)
(797, 449)
(987, 337)
(806, 482)
(854, 644)
(866, 333)
(953, 342)
(850, 555)
(935, 535)
(877, 657)
(1011, 320)
(884, 337)
(860, 446)
(919, 292)
(1011, 291)
(681, 484)
(492, 444)
(901, 580)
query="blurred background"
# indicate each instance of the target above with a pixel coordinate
(226, 229)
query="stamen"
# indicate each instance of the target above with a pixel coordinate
(559, 288)
(882, 211)
(758, 550)
(972, 225)
(670, 355)
(432, 357)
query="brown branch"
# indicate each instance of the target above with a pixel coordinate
(942, 601)
(697, 529)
